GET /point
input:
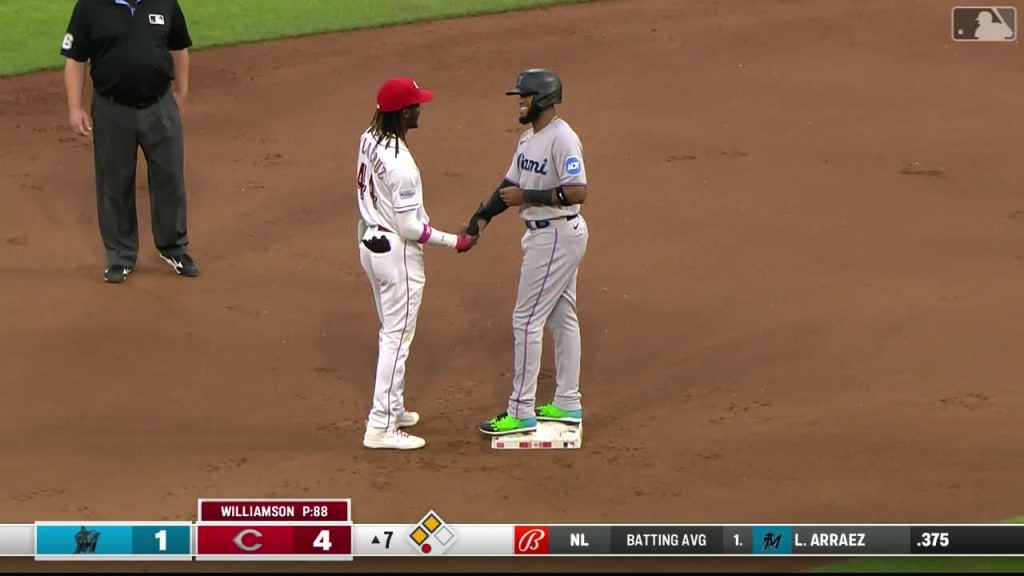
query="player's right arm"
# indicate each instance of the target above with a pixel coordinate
(494, 205)
(408, 200)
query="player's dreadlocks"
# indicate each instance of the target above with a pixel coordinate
(387, 126)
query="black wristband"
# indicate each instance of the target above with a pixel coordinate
(494, 206)
(537, 197)
(562, 198)
(544, 197)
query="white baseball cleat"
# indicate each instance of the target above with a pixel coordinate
(407, 419)
(391, 439)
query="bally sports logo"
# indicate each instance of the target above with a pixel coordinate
(531, 539)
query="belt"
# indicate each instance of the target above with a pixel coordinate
(541, 224)
(138, 104)
(381, 228)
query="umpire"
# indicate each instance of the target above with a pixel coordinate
(139, 55)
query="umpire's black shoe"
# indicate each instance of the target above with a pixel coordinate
(183, 265)
(116, 274)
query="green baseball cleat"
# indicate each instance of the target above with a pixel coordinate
(552, 413)
(505, 424)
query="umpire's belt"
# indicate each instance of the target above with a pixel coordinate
(138, 104)
(540, 224)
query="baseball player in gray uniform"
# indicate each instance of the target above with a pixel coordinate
(548, 181)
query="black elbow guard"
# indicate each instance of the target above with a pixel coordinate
(473, 229)
(495, 205)
(492, 208)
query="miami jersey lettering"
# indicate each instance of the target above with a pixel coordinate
(545, 160)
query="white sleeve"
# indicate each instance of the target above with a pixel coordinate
(408, 192)
(412, 228)
(568, 157)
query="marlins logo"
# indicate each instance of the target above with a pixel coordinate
(773, 539)
(86, 540)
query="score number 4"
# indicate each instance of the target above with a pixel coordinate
(320, 540)
(323, 540)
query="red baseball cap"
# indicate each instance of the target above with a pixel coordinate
(398, 93)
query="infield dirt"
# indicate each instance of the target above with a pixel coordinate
(801, 301)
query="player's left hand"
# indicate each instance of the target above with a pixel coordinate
(512, 196)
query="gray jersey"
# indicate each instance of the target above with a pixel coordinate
(545, 160)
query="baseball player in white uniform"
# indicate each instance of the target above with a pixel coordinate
(548, 181)
(393, 230)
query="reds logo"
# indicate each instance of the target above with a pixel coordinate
(531, 539)
(239, 540)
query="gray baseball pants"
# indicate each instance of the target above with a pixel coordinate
(547, 297)
(118, 133)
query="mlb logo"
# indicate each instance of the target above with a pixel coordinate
(156, 19)
(984, 23)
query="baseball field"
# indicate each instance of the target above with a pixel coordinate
(801, 301)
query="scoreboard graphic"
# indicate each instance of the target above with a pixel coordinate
(431, 535)
(113, 540)
(296, 529)
(322, 530)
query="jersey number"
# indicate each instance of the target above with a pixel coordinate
(365, 185)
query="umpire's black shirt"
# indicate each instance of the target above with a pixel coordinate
(129, 43)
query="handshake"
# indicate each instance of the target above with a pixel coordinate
(503, 197)
(467, 241)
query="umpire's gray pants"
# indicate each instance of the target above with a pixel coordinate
(118, 133)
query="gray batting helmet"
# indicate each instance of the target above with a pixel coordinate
(543, 84)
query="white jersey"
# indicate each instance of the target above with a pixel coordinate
(545, 160)
(387, 184)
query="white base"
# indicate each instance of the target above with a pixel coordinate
(547, 436)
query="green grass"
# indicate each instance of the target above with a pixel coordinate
(905, 564)
(31, 30)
